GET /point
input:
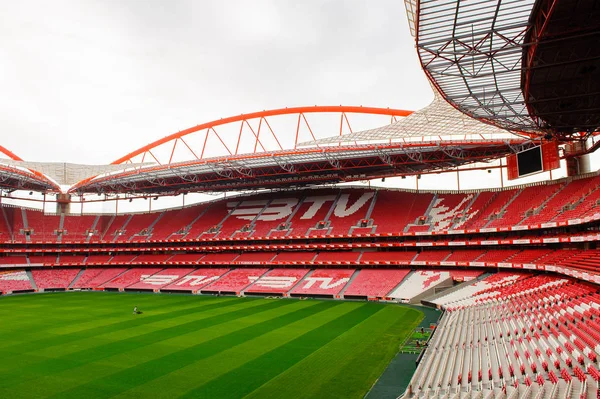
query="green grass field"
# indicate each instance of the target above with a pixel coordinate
(90, 345)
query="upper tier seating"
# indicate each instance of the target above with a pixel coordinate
(375, 282)
(7, 215)
(350, 208)
(324, 282)
(490, 209)
(173, 222)
(111, 227)
(386, 216)
(137, 227)
(235, 281)
(527, 199)
(277, 281)
(317, 212)
(77, 228)
(313, 208)
(447, 209)
(54, 278)
(14, 280)
(42, 227)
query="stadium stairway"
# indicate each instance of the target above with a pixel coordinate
(503, 208)
(76, 278)
(93, 228)
(31, 280)
(341, 294)
(458, 287)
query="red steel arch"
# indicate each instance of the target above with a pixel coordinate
(262, 116)
(10, 154)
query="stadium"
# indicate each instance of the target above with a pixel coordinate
(266, 255)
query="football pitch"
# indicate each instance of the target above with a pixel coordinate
(90, 345)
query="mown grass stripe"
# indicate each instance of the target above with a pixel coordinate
(245, 379)
(62, 363)
(113, 384)
(133, 322)
(70, 317)
(204, 370)
(337, 365)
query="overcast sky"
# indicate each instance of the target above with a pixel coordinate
(89, 81)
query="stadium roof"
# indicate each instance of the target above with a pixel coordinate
(528, 66)
(433, 139)
(68, 174)
(13, 177)
(301, 167)
(438, 120)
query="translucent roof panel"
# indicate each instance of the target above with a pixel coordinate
(439, 120)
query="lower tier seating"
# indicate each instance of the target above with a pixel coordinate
(161, 279)
(93, 278)
(324, 282)
(130, 277)
(375, 282)
(54, 278)
(236, 280)
(277, 281)
(14, 281)
(196, 280)
(521, 336)
(419, 282)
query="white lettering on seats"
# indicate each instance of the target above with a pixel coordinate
(317, 203)
(196, 280)
(247, 210)
(443, 216)
(326, 282)
(276, 281)
(14, 276)
(341, 208)
(158, 279)
(278, 209)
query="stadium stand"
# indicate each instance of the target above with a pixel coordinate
(295, 257)
(235, 281)
(526, 336)
(388, 220)
(174, 223)
(375, 283)
(323, 282)
(14, 281)
(94, 278)
(418, 283)
(196, 280)
(277, 281)
(350, 209)
(337, 257)
(130, 277)
(54, 278)
(77, 228)
(161, 279)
